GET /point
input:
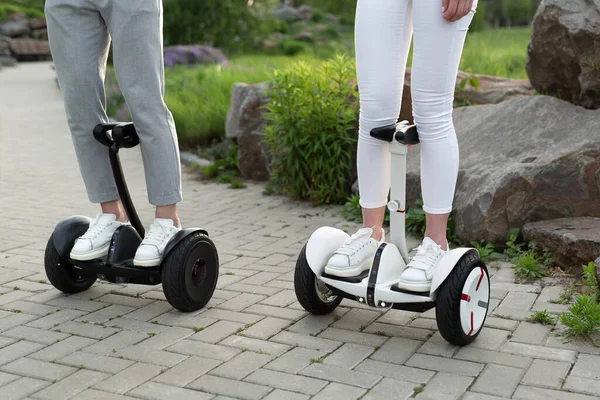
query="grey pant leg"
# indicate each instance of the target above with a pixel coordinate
(137, 34)
(79, 43)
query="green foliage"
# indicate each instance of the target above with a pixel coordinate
(486, 251)
(529, 266)
(224, 167)
(226, 24)
(517, 12)
(344, 9)
(589, 279)
(583, 317)
(352, 211)
(311, 130)
(416, 222)
(32, 9)
(566, 295)
(542, 317)
(513, 249)
(478, 23)
(291, 47)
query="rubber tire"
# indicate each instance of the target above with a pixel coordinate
(174, 271)
(447, 309)
(306, 292)
(58, 275)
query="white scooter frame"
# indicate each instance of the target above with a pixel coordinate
(467, 300)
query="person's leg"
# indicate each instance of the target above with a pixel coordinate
(437, 51)
(79, 44)
(382, 33)
(136, 30)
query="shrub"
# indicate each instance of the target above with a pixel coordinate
(311, 130)
(290, 47)
(583, 317)
(7, 9)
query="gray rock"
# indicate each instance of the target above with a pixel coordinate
(522, 160)
(15, 28)
(245, 121)
(572, 241)
(285, 13)
(563, 56)
(189, 159)
(7, 61)
(306, 11)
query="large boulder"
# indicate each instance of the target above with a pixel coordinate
(245, 122)
(522, 160)
(194, 55)
(573, 242)
(563, 55)
(15, 28)
(287, 13)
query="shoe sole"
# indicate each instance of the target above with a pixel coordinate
(414, 287)
(92, 255)
(155, 262)
(347, 272)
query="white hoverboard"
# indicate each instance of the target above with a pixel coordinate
(460, 290)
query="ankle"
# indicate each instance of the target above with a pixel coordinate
(377, 233)
(439, 240)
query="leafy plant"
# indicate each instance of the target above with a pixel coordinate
(528, 266)
(589, 279)
(583, 317)
(566, 295)
(542, 317)
(512, 249)
(486, 251)
(311, 130)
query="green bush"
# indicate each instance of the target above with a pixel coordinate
(290, 47)
(311, 130)
(225, 24)
(7, 9)
(478, 23)
(517, 12)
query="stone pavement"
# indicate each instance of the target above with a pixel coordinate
(253, 341)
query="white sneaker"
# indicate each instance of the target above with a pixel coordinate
(150, 252)
(355, 255)
(94, 243)
(419, 272)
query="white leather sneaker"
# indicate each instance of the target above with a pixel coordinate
(94, 243)
(355, 255)
(419, 272)
(150, 252)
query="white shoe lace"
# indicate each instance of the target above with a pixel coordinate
(425, 258)
(156, 235)
(95, 229)
(353, 245)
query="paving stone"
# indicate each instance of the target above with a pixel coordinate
(7, 378)
(92, 331)
(106, 314)
(128, 301)
(587, 366)
(17, 350)
(438, 346)
(531, 333)
(490, 339)
(394, 371)
(29, 307)
(135, 325)
(498, 380)
(37, 369)
(518, 287)
(254, 289)
(13, 296)
(397, 317)
(116, 342)
(159, 391)
(266, 328)
(294, 360)
(310, 342)
(445, 386)
(444, 365)
(495, 357)
(576, 344)
(150, 311)
(282, 299)
(389, 388)
(96, 362)
(349, 355)
(582, 385)
(22, 387)
(338, 391)
(195, 348)
(546, 353)
(235, 316)
(481, 396)
(77, 304)
(501, 323)
(15, 320)
(151, 356)
(183, 320)
(34, 335)
(56, 319)
(217, 331)
(241, 302)
(93, 394)
(279, 394)
(356, 319)
(71, 385)
(187, 371)
(515, 314)
(545, 373)
(129, 378)
(550, 293)
(4, 341)
(229, 387)
(396, 350)
(255, 345)
(534, 393)
(277, 312)
(241, 365)
(166, 338)
(343, 335)
(313, 324)
(405, 332)
(281, 380)
(338, 374)
(550, 307)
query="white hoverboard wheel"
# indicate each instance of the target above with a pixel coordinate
(462, 301)
(312, 293)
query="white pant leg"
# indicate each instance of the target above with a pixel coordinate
(383, 31)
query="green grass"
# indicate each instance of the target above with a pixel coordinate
(542, 317)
